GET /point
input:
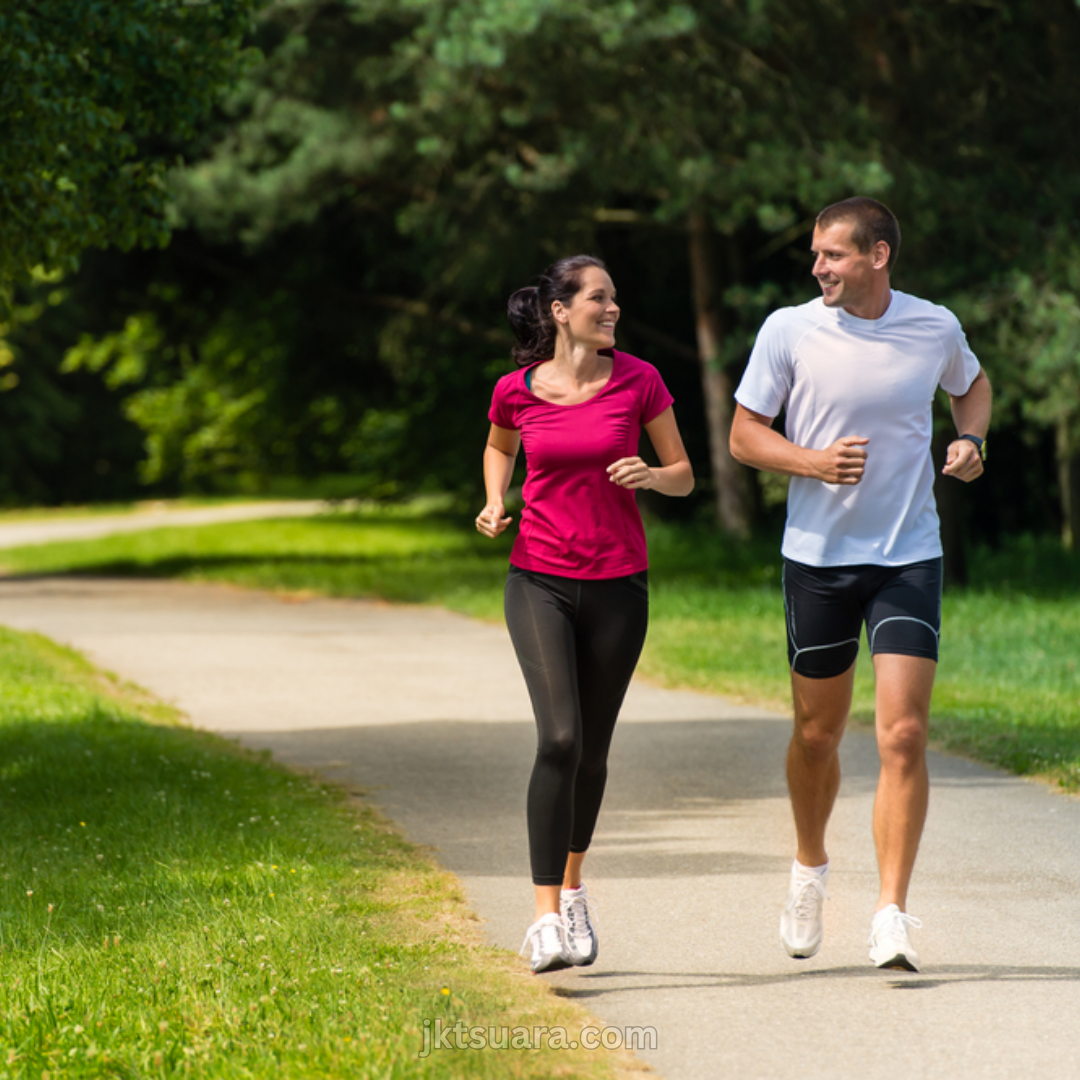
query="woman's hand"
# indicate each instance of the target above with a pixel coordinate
(631, 472)
(493, 519)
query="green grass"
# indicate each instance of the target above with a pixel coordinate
(173, 906)
(1008, 689)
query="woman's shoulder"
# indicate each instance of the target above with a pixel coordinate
(632, 368)
(510, 382)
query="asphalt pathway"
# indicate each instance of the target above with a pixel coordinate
(149, 516)
(425, 711)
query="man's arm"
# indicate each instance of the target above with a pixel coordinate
(754, 442)
(971, 414)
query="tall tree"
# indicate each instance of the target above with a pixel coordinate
(96, 100)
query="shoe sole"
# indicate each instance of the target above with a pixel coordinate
(555, 963)
(898, 963)
(583, 960)
(801, 954)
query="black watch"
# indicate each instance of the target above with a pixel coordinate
(980, 444)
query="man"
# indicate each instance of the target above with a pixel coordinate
(857, 370)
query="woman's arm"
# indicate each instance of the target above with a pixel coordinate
(500, 454)
(675, 476)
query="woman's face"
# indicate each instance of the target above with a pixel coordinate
(591, 315)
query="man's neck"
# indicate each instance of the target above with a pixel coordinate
(874, 306)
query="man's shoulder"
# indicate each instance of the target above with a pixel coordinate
(916, 309)
(796, 319)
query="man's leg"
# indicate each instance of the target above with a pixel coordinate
(813, 763)
(902, 710)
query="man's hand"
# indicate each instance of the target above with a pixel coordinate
(963, 461)
(842, 463)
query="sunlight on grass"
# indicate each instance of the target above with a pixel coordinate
(172, 905)
(1007, 691)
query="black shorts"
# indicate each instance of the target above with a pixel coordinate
(826, 606)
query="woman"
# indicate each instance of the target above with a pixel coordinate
(576, 595)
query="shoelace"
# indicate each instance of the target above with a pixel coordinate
(805, 902)
(582, 909)
(550, 935)
(895, 926)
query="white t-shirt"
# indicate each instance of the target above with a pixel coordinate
(841, 375)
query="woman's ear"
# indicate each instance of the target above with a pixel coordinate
(558, 312)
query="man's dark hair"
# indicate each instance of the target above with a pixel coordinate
(871, 222)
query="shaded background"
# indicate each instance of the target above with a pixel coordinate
(329, 314)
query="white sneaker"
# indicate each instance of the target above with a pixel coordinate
(890, 944)
(547, 938)
(584, 941)
(801, 928)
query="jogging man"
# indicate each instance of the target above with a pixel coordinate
(857, 370)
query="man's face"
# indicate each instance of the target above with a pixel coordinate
(846, 275)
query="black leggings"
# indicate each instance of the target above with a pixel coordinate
(578, 643)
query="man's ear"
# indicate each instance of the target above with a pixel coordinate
(881, 253)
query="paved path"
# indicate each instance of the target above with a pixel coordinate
(42, 530)
(426, 711)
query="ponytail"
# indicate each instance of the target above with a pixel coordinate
(529, 309)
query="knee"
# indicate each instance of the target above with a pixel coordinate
(817, 741)
(560, 751)
(902, 742)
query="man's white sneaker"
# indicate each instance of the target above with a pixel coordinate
(801, 927)
(890, 944)
(547, 940)
(584, 941)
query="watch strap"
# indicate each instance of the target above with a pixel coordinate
(980, 444)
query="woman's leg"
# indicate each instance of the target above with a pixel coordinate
(612, 621)
(540, 618)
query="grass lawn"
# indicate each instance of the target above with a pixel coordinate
(1008, 688)
(173, 906)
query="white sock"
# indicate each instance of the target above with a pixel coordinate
(811, 871)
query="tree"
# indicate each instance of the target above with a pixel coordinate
(355, 215)
(96, 99)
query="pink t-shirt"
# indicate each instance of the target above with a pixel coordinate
(576, 522)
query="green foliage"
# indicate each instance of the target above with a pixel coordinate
(61, 437)
(351, 221)
(97, 99)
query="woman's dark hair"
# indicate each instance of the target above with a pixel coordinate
(529, 309)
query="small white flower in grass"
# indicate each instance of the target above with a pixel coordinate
(29, 892)
(78, 1029)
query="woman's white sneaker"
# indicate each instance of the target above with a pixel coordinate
(548, 944)
(581, 933)
(890, 943)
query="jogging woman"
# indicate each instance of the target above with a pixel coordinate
(577, 593)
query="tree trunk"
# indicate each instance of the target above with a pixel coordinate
(1068, 476)
(729, 477)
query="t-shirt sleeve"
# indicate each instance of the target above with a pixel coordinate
(501, 413)
(766, 383)
(655, 396)
(961, 364)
